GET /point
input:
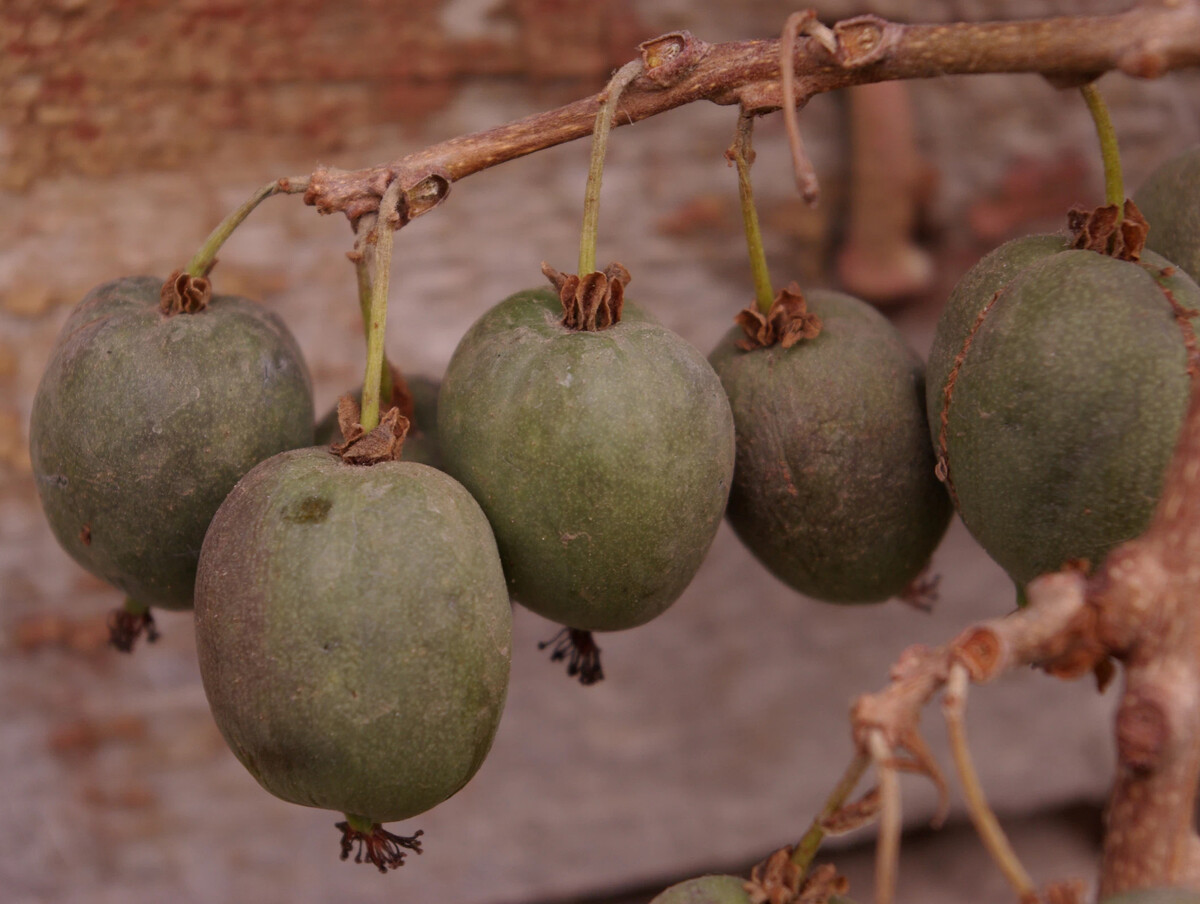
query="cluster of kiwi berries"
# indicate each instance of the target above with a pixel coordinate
(353, 598)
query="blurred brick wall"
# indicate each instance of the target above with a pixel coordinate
(104, 86)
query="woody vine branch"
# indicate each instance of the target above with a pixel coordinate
(1150, 39)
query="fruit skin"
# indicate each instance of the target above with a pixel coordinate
(354, 632)
(603, 459)
(142, 424)
(1170, 201)
(706, 890)
(834, 489)
(1068, 402)
(731, 890)
(421, 443)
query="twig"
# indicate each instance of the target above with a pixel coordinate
(887, 850)
(986, 824)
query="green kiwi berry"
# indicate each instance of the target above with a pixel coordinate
(354, 633)
(601, 457)
(144, 421)
(834, 489)
(1058, 383)
(1169, 199)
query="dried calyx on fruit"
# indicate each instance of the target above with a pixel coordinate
(601, 455)
(416, 399)
(354, 632)
(1058, 381)
(157, 398)
(833, 490)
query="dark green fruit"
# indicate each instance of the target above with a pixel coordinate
(421, 443)
(603, 459)
(143, 423)
(834, 490)
(1155, 896)
(1063, 408)
(1170, 201)
(354, 631)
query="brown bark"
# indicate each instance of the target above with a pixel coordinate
(1147, 41)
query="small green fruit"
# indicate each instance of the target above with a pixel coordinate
(354, 632)
(834, 489)
(143, 422)
(421, 444)
(602, 458)
(1170, 201)
(1058, 381)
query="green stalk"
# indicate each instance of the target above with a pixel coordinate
(206, 257)
(591, 196)
(362, 269)
(741, 152)
(1114, 183)
(377, 314)
(806, 848)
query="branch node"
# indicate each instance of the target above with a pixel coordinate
(862, 40)
(667, 59)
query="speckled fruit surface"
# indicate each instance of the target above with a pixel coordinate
(834, 489)
(142, 423)
(354, 632)
(603, 459)
(1068, 380)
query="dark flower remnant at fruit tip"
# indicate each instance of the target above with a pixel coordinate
(125, 626)
(360, 447)
(788, 321)
(591, 302)
(1108, 230)
(581, 653)
(183, 293)
(377, 845)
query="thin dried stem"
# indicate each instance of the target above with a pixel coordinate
(806, 175)
(887, 850)
(986, 824)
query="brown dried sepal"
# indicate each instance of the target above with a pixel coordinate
(1106, 230)
(777, 880)
(184, 294)
(593, 302)
(579, 650)
(788, 321)
(360, 447)
(854, 815)
(125, 627)
(379, 846)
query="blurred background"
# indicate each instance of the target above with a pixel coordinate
(129, 128)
